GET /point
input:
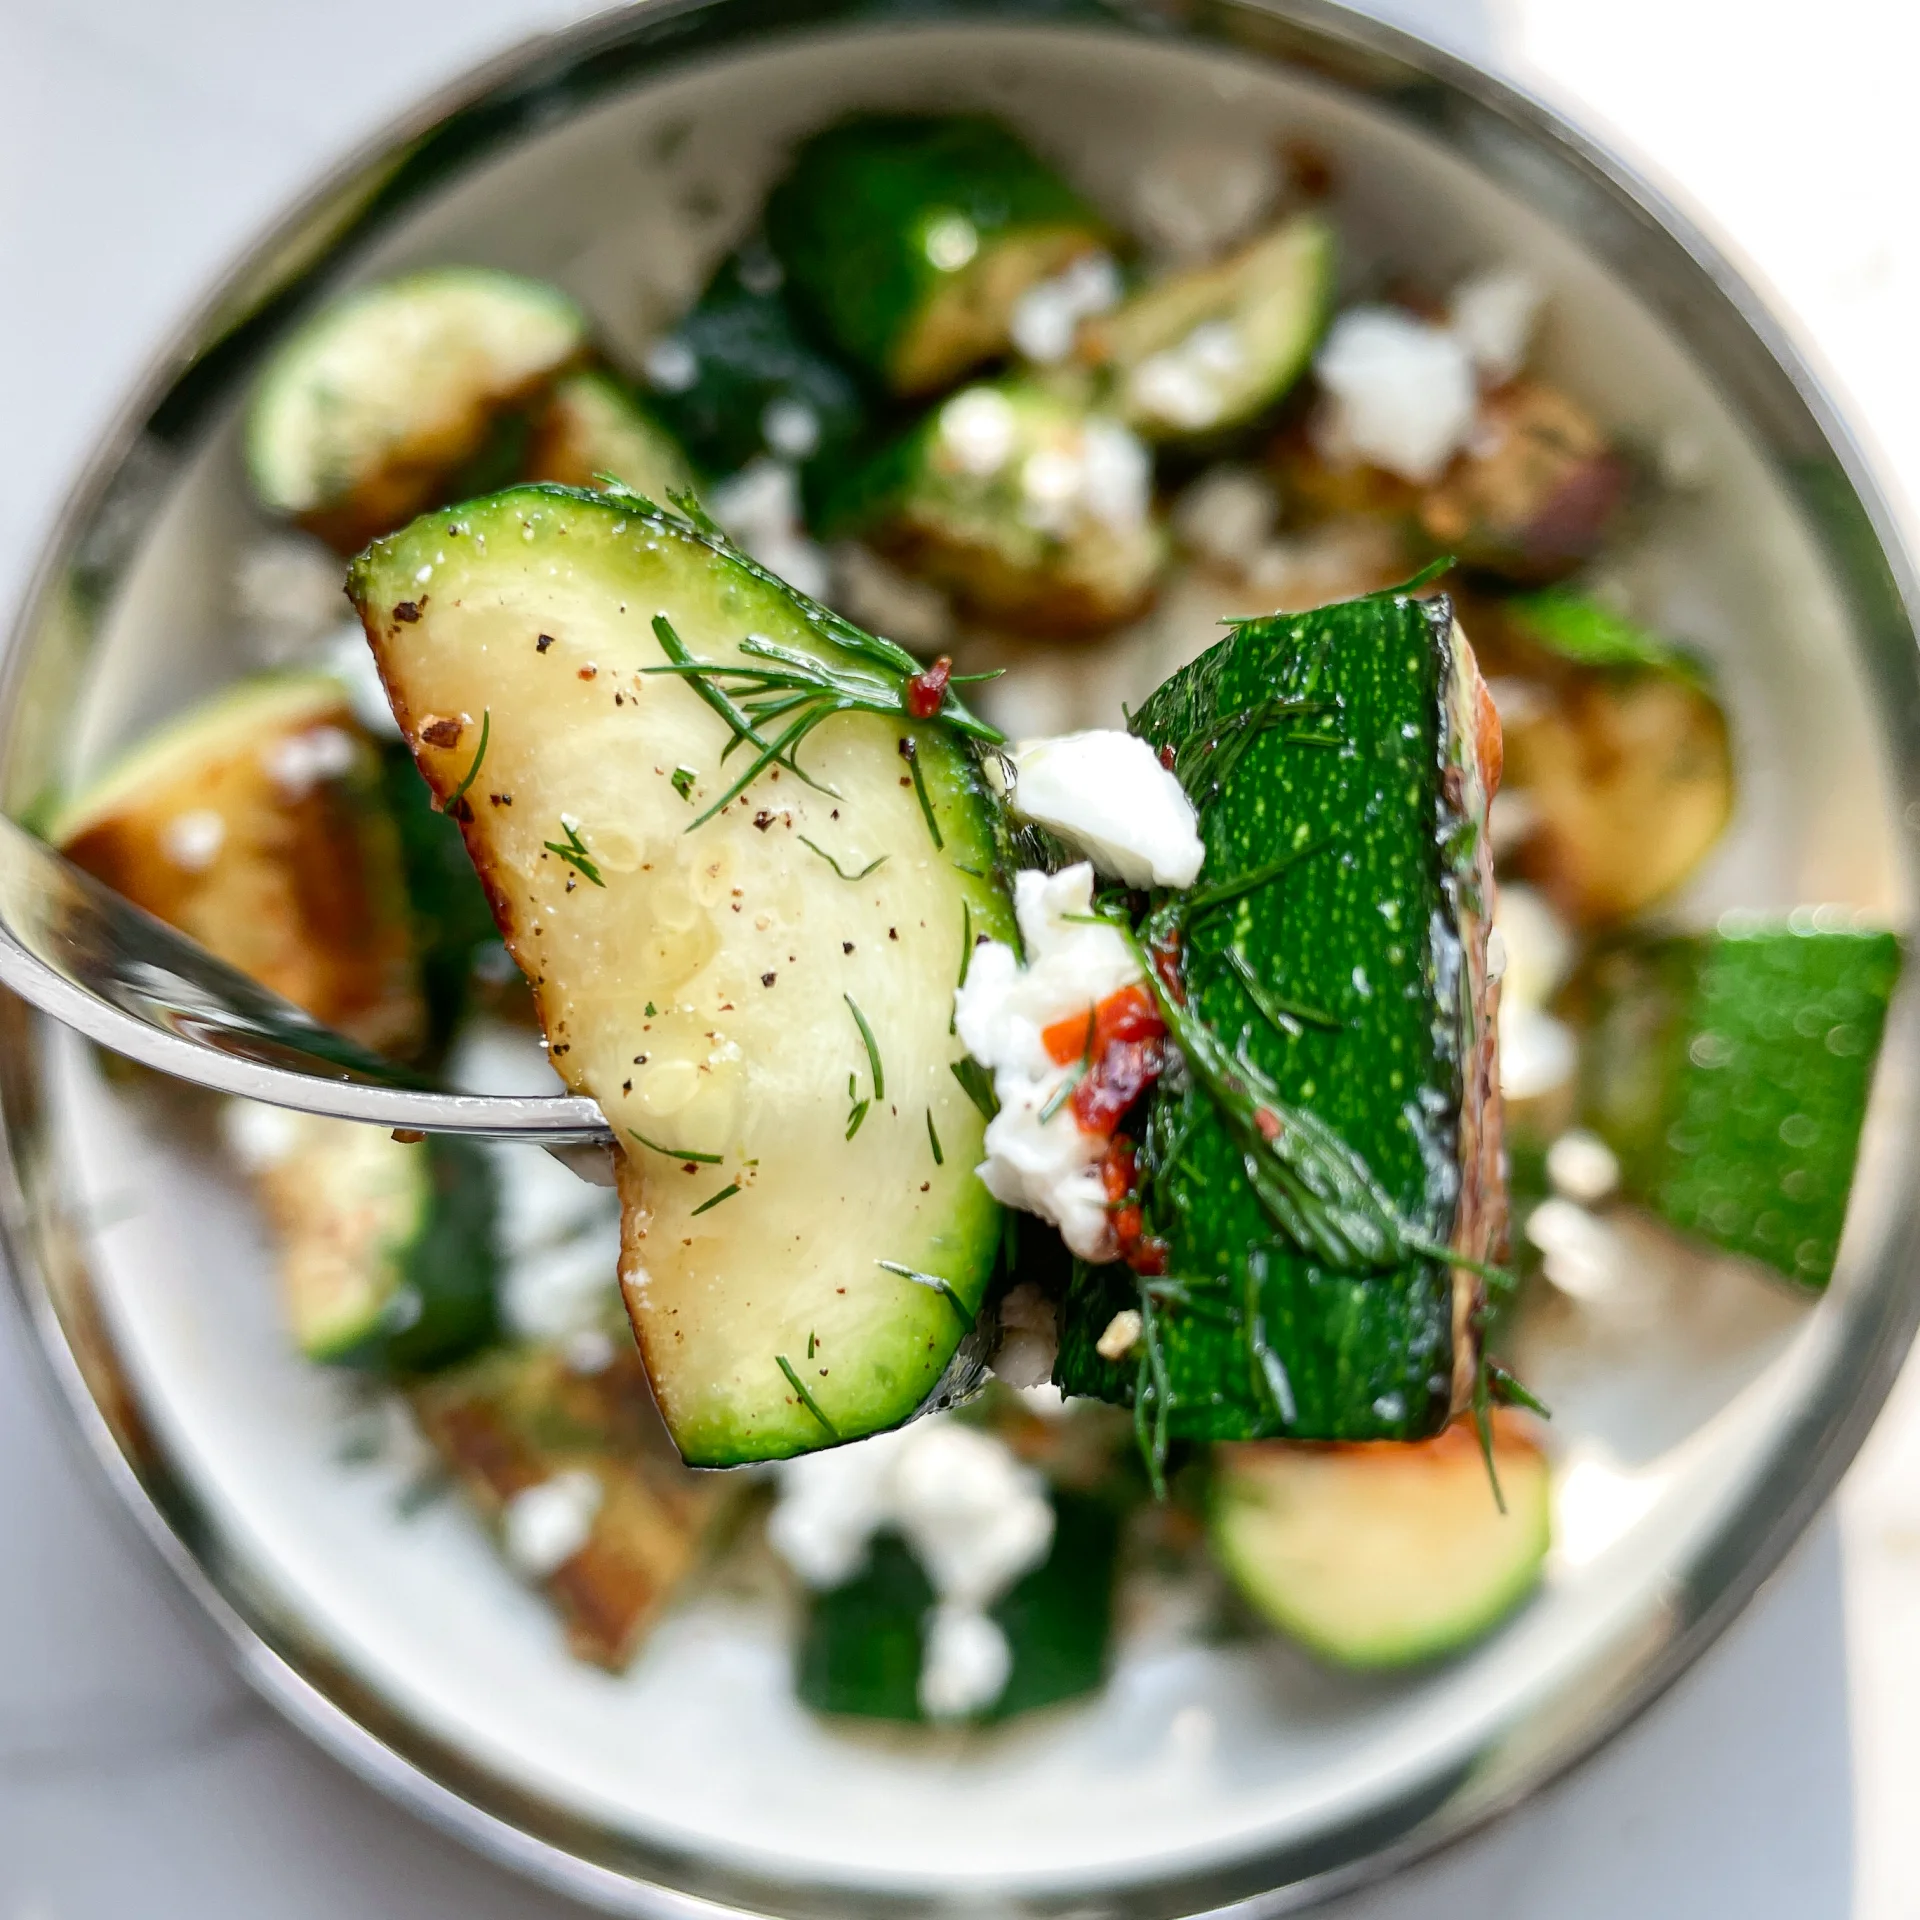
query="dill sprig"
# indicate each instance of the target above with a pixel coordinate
(707, 1206)
(872, 1046)
(879, 861)
(473, 772)
(574, 851)
(935, 1284)
(806, 1399)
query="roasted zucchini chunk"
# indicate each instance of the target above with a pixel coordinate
(1215, 347)
(910, 240)
(1034, 513)
(575, 1476)
(386, 1247)
(1534, 493)
(1382, 1556)
(743, 376)
(1622, 752)
(256, 824)
(394, 398)
(745, 955)
(1730, 1071)
(592, 428)
(1338, 1133)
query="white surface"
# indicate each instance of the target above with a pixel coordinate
(137, 148)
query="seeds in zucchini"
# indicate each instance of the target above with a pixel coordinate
(696, 967)
(591, 426)
(1622, 752)
(1730, 1072)
(385, 1247)
(742, 376)
(367, 415)
(519, 1421)
(910, 240)
(1214, 347)
(255, 823)
(1381, 1556)
(1032, 512)
(1333, 955)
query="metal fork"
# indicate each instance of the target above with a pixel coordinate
(95, 962)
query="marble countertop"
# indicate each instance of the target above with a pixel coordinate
(139, 146)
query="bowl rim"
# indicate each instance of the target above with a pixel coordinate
(1768, 379)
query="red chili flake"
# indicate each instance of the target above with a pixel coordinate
(587, 673)
(927, 692)
(1268, 1122)
(1167, 758)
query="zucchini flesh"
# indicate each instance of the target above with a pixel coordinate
(863, 1645)
(592, 426)
(1214, 347)
(910, 240)
(1351, 970)
(1033, 512)
(1730, 1073)
(741, 375)
(731, 996)
(1377, 1555)
(256, 824)
(386, 1247)
(370, 411)
(519, 1417)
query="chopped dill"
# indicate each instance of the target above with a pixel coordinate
(880, 861)
(806, 1399)
(473, 772)
(674, 1153)
(574, 852)
(706, 1206)
(934, 1283)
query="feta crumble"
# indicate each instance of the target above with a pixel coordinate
(1047, 316)
(973, 1515)
(192, 840)
(1050, 1167)
(1401, 391)
(1492, 314)
(1537, 1052)
(543, 1527)
(1107, 793)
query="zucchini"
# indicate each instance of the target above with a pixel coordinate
(863, 1646)
(386, 1247)
(1333, 958)
(520, 1422)
(759, 1005)
(591, 426)
(1031, 511)
(1382, 1556)
(1730, 1071)
(372, 410)
(910, 240)
(742, 376)
(1214, 347)
(1622, 752)
(1535, 491)
(255, 823)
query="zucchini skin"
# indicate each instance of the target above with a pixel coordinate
(1730, 1073)
(861, 1647)
(748, 352)
(1374, 930)
(857, 224)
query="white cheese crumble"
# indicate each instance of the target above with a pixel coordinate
(1401, 391)
(1227, 516)
(1537, 1052)
(543, 1527)
(1581, 1167)
(1029, 1338)
(978, 431)
(192, 841)
(1193, 200)
(760, 508)
(1190, 384)
(1107, 793)
(1049, 1167)
(296, 763)
(1107, 476)
(288, 591)
(973, 1515)
(1492, 314)
(346, 656)
(1047, 316)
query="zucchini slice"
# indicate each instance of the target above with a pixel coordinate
(592, 426)
(1730, 1072)
(742, 376)
(1333, 960)
(372, 410)
(1031, 511)
(1622, 752)
(1213, 348)
(910, 240)
(1533, 495)
(386, 1247)
(519, 1427)
(1381, 1556)
(756, 989)
(863, 1647)
(255, 823)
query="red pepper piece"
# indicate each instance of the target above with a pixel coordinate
(927, 692)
